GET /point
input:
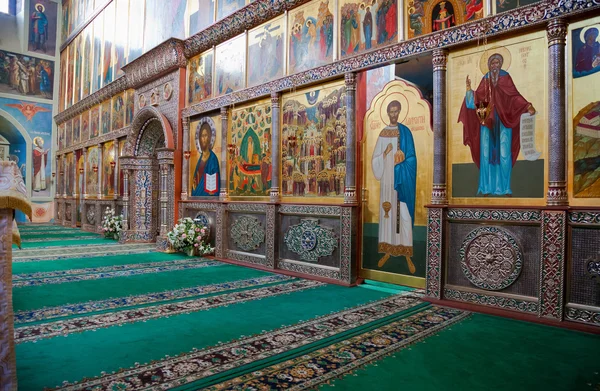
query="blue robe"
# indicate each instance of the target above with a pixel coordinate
(405, 173)
(210, 168)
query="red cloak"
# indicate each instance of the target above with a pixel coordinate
(506, 101)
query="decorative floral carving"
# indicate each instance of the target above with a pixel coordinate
(311, 241)
(491, 258)
(247, 233)
(91, 215)
(593, 269)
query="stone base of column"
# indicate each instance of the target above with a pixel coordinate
(350, 195)
(275, 196)
(557, 194)
(223, 195)
(439, 195)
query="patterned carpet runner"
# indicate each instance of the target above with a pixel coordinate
(103, 316)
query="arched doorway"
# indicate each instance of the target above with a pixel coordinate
(148, 171)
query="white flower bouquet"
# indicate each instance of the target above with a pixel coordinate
(112, 224)
(189, 237)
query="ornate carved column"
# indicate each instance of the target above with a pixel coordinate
(186, 162)
(557, 180)
(275, 147)
(223, 196)
(60, 175)
(65, 173)
(99, 171)
(350, 189)
(164, 171)
(84, 173)
(115, 169)
(438, 193)
(125, 200)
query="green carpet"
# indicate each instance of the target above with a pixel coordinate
(92, 316)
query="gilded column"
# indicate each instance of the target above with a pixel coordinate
(186, 158)
(99, 170)
(557, 180)
(223, 196)
(275, 147)
(350, 188)
(438, 193)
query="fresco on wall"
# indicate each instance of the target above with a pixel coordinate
(311, 29)
(26, 75)
(227, 7)
(76, 130)
(426, 16)
(65, 21)
(85, 126)
(202, 14)
(586, 51)
(42, 26)
(497, 114)
(265, 52)
(69, 134)
(205, 142)
(97, 58)
(70, 173)
(200, 77)
(367, 24)
(86, 76)
(398, 171)
(230, 62)
(129, 106)
(95, 121)
(108, 171)
(91, 184)
(313, 142)
(109, 37)
(105, 117)
(249, 151)
(118, 111)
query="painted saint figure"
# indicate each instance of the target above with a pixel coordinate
(445, 18)
(39, 28)
(206, 175)
(394, 165)
(588, 56)
(494, 137)
(40, 157)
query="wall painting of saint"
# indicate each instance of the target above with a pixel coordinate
(205, 142)
(26, 75)
(86, 78)
(42, 26)
(118, 111)
(91, 184)
(584, 166)
(108, 171)
(200, 77)
(69, 134)
(85, 126)
(109, 37)
(427, 16)
(202, 14)
(95, 121)
(129, 106)
(249, 150)
(227, 7)
(368, 24)
(76, 130)
(97, 58)
(105, 124)
(62, 87)
(497, 117)
(70, 73)
(397, 139)
(70, 173)
(61, 136)
(121, 152)
(78, 42)
(65, 21)
(230, 64)
(313, 142)
(311, 34)
(79, 181)
(266, 52)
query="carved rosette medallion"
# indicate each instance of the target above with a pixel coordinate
(91, 215)
(593, 269)
(202, 219)
(310, 241)
(491, 258)
(247, 233)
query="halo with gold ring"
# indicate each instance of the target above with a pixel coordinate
(501, 50)
(400, 97)
(42, 5)
(585, 29)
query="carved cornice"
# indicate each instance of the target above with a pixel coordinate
(557, 32)
(246, 18)
(440, 59)
(115, 134)
(523, 17)
(163, 59)
(92, 100)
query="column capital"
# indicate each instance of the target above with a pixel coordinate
(275, 98)
(439, 195)
(350, 195)
(556, 32)
(350, 79)
(439, 59)
(224, 112)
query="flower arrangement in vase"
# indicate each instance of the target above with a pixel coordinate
(189, 237)
(112, 224)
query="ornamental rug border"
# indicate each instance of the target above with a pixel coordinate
(41, 240)
(66, 252)
(507, 303)
(509, 21)
(63, 230)
(346, 356)
(47, 313)
(170, 267)
(512, 215)
(94, 322)
(197, 364)
(69, 245)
